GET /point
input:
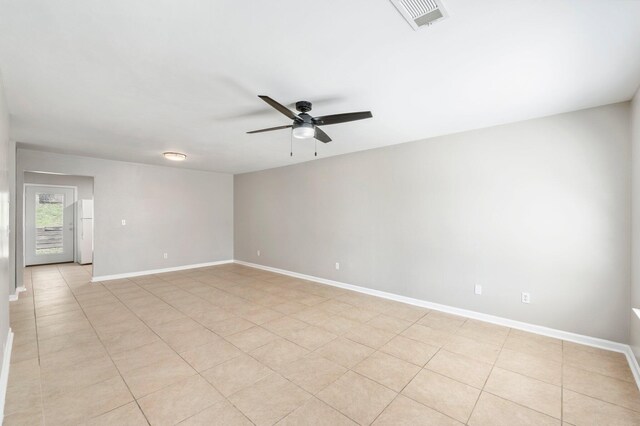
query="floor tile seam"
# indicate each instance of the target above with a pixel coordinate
(272, 372)
(197, 373)
(562, 345)
(511, 370)
(489, 375)
(425, 368)
(205, 409)
(601, 400)
(207, 301)
(351, 369)
(398, 393)
(577, 367)
(112, 361)
(33, 300)
(525, 406)
(494, 362)
(437, 410)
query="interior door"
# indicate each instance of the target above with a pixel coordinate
(49, 224)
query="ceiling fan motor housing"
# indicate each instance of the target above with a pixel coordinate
(303, 106)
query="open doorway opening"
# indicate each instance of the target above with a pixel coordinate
(58, 219)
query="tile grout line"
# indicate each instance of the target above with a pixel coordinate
(187, 316)
(108, 354)
(110, 358)
(153, 331)
(412, 378)
(562, 385)
(35, 320)
(249, 353)
(198, 373)
(489, 375)
(270, 307)
(547, 383)
(310, 351)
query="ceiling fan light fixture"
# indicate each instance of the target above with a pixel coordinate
(307, 127)
(174, 156)
(304, 132)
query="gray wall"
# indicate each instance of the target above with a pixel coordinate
(635, 247)
(541, 206)
(185, 213)
(5, 278)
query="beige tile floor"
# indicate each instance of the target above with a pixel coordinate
(233, 345)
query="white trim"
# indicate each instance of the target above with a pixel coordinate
(532, 328)
(4, 375)
(157, 271)
(49, 185)
(633, 364)
(14, 297)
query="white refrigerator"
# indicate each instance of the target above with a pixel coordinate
(85, 232)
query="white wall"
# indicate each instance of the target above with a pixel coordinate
(6, 284)
(634, 338)
(541, 206)
(185, 213)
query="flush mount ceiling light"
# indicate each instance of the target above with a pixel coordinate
(174, 156)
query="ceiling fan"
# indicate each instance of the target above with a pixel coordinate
(304, 125)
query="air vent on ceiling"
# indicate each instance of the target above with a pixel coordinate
(420, 13)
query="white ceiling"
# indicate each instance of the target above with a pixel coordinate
(129, 79)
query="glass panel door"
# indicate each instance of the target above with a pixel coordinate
(49, 224)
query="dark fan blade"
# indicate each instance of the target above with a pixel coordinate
(270, 129)
(283, 109)
(322, 136)
(325, 120)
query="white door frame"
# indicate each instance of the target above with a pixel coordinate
(24, 216)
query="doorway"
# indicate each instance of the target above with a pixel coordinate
(49, 224)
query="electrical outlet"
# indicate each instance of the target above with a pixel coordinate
(258, 252)
(477, 289)
(337, 266)
(526, 298)
(124, 222)
(166, 255)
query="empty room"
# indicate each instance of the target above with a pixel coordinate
(366, 212)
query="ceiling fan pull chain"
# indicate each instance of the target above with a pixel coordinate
(315, 141)
(291, 152)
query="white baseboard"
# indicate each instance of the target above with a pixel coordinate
(633, 364)
(14, 297)
(532, 328)
(157, 271)
(4, 375)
